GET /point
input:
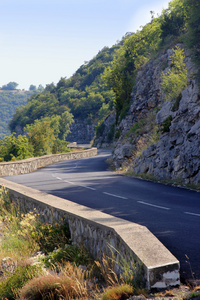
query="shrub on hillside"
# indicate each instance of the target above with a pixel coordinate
(10, 287)
(70, 284)
(175, 80)
(67, 253)
(120, 292)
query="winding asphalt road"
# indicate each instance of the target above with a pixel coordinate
(172, 214)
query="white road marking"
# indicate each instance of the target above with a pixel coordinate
(192, 214)
(88, 187)
(115, 196)
(84, 186)
(157, 206)
(69, 182)
(121, 197)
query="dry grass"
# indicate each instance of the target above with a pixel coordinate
(120, 292)
(70, 284)
(121, 286)
(106, 269)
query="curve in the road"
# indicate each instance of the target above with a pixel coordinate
(172, 214)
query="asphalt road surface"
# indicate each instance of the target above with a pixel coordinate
(172, 214)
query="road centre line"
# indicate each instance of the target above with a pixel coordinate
(84, 186)
(115, 196)
(192, 214)
(121, 197)
(69, 182)
(157, 206)
(88, 187)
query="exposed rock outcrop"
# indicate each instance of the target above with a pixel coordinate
(106, 136)
(7, 266)
(175, 152)
(81, 132)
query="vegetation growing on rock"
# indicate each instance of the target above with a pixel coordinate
(60, 268)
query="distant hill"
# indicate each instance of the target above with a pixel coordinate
(85, 94)
(9, 101)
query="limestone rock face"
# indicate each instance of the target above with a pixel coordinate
(81, 132)
(106, 136)
(176, 152)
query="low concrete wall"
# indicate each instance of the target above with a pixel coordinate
(98, 231)
(32, 164)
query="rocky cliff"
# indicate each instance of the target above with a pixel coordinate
(161, 138)
(81, 132)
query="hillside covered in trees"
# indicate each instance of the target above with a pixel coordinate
(85, 94)
(9, 101)
(112, 84)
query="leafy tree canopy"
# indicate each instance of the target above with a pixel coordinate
(32, 88)
(10, 86)
(193, 38)
(41, 137)
(12, 148)
(9, 101)
(46, 136)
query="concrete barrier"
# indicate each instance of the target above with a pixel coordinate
(98, 231)
(72, 145)
(32, 164)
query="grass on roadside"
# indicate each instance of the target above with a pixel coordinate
(69, 284)
(65, 271)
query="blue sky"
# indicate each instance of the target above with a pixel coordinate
(42, 41)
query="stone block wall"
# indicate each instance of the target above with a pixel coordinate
(32, 164)
(101, 233)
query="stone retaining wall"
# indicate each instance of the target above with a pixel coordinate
(99, 232)
(32, 164)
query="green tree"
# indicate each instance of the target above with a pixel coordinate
(173, 19)
(66, 119)
(175, 80)
(48, 134)
(12, 148)
(41, 137)
(104, 111)
(10, 86)
(60, 146)
(120, 78)
(40, 88)
(50, 87)
(60, 124)
(193, 7)
(32, 88)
